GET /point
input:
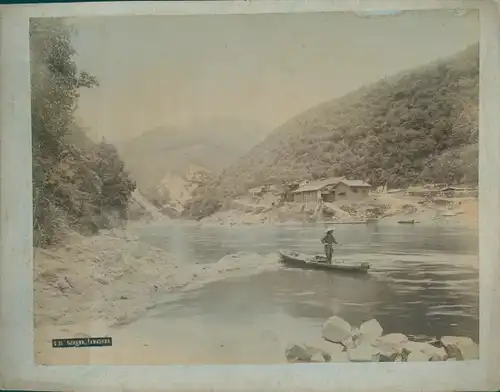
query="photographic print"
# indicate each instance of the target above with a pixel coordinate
(256, 189)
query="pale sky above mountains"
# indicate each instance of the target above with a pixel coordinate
(175, 70)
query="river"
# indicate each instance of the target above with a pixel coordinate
(423, 283)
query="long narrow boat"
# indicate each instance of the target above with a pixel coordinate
(407, 222)
(301, 260)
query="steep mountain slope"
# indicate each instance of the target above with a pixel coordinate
(211, 145)
(418, 126)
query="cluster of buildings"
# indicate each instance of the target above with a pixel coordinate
(334, 189)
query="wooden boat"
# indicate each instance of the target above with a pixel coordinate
(300, 260)
(408, 222)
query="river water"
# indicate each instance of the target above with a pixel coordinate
(423, 283)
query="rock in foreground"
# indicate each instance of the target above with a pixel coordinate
(340, 342)
(365, 352)
(305, 353)
(336, 330)
(461, 348)
(370, 330)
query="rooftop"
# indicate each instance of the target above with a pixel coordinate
(318, 184)
(356, 183)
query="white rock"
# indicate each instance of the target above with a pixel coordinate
(334, 351)
(318, 357)
(436, 353)
(392, 341)
(461, 348)
(370, 330)
(336, 330)
(436, 357)
(417, 356)
(298, 353)
(350, 343)
(414, 346)
(394, 338)
(389, 355)
(363, 353)
(390, 345)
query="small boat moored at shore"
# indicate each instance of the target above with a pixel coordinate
(300, 260)
(407, 222)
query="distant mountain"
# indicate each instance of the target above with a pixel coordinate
(171, 151)
(418, 126)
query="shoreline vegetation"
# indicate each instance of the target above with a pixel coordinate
(90, 268)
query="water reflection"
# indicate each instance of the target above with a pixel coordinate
(424, 279)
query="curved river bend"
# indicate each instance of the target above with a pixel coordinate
(423, 283)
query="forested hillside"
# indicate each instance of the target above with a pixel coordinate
(77, 184)
(416, 127)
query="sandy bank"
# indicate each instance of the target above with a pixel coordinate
(114, 277)
(385, 207)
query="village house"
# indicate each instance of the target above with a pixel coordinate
(331, 189)
(352, 190)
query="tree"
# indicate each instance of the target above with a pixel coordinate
(73, 186)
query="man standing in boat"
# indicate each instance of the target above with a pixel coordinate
(328, 240)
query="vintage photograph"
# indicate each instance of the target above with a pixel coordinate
(256, 189)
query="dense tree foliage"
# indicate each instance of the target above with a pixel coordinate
(77, 184)
(417, 127)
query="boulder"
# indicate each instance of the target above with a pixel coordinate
(363, 353)
(370, 330)
(350, 342)
(335, 351)
(418, 356)
(461, 348)
(433, 352)
(390, 344)
(336, 330)
(436, 357)
(414, 346)
(318, 357)
(390, 356)
(300, 352)
(355, 335)
(393, 338)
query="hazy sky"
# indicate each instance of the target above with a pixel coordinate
(172, 70)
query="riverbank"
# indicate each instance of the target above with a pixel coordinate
(107, 284)
(114, 277)
(381, 207)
